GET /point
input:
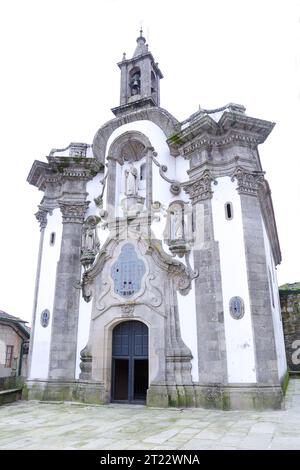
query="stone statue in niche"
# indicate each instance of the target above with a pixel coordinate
(90, 240)
(90, 243)
(131, 180)
(178, 230)
(177, 223)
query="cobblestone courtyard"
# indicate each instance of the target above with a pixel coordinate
(37, 425)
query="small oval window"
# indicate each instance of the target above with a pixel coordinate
(45, 316)
(236, 307)
(228, 211)
(52, 238)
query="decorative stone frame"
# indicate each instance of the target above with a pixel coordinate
(115, 156)
(180, 246)
(102, 332)
(159, 116)
(45, 318)
(155, 305)
(233, 313)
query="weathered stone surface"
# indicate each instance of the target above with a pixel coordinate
(290, 309)
(175, 248)
(58, 425)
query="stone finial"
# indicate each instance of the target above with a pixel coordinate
(140, 48)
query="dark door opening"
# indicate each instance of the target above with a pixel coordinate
(121, 379)
(130, 362)
(140, 379)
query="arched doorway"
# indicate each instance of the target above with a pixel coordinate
(130, 362)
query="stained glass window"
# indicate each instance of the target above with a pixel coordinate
(127, 272)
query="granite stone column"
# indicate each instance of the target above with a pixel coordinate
(67, 293)
(212, 363)
(259, 290)
(41, 217)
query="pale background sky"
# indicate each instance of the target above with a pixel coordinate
(59, 79)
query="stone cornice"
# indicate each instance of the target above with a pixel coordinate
(222, 168)
(145, 102)
(140, 57)
(232, 127)
(74, 167)
(37, 174)
(58, 168)
(241, 122)
(207, 141)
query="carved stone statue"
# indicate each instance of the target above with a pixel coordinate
(131, 175)
(176, 223)
(178, 233)
(90, 243)
(89, 239)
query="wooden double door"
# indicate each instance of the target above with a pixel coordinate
(130, 375)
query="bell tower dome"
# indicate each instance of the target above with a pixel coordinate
(140, 78)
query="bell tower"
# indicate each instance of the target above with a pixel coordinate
(140, 78)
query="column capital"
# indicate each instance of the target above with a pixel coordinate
(73, 212)
(247, 181)
(200, 188)
(41, 216)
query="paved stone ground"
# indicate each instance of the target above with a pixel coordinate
(40, 425)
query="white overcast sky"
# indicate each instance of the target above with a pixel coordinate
(59, 79)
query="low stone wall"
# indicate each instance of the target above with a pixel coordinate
(290, 309)
(7, 383)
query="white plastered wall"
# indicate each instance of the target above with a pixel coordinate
(42, 336)
(276, 308)
(94, 189)
(229, 234)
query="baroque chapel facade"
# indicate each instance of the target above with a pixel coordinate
(156, 279)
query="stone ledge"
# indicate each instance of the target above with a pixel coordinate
(213, 396)
(60, 390)
(10, 395)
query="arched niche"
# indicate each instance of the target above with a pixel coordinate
(159, 116)
(134, 82)
(132, 146)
